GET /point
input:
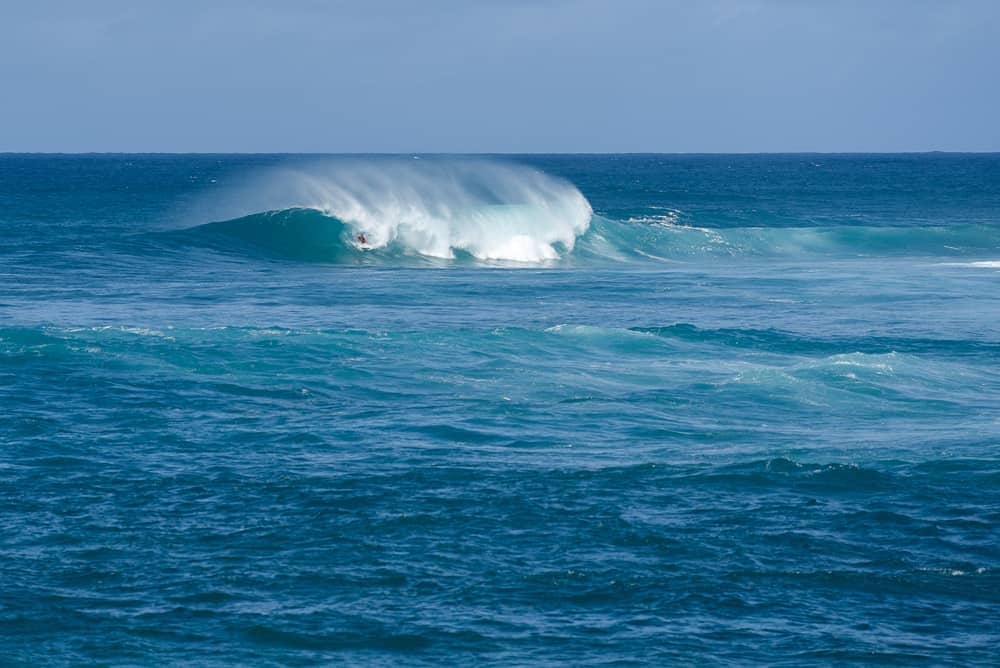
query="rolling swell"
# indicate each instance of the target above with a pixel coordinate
(312, 235)
(444, 211)
(656, 239)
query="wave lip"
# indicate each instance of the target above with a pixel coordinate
(432, 208)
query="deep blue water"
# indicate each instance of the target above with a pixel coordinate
(556, 410)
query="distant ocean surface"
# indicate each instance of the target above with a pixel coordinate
(550, 410)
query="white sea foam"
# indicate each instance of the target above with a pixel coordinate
(669, 218)
(433, 207)
(987, 264)
(670, 221)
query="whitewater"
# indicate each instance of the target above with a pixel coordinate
(540, 409)
(429, 207)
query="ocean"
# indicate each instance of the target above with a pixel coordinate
(500, 410)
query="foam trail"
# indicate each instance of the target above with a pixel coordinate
(433, 207)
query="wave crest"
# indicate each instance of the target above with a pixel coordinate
(435, 208)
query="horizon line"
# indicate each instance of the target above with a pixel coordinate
(500, 153)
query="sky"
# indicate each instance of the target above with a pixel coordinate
(503, 76)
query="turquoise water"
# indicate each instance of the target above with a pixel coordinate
(552, 410)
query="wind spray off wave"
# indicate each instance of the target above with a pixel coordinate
(436, 208)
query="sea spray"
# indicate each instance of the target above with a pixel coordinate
(433, 207)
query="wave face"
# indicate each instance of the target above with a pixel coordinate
(430, 208)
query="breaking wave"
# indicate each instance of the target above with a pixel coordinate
(443, 210)
(426, 208)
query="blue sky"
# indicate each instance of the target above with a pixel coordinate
(500, 75)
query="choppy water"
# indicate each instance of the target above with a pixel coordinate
(552, 409)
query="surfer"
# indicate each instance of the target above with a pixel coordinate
(361, 238)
